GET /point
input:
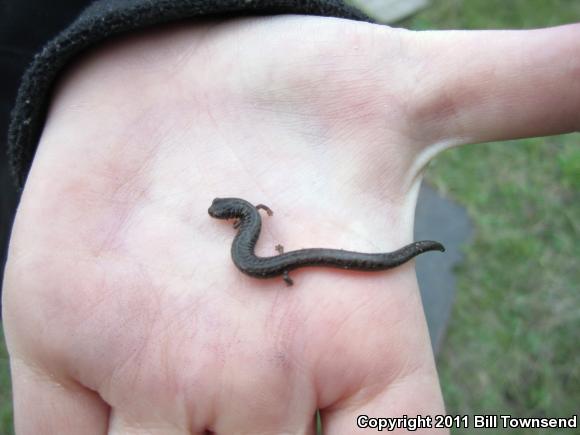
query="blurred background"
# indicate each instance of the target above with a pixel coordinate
(511, 344)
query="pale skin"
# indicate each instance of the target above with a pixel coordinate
(123, 312)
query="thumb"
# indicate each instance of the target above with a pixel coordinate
(484, 86)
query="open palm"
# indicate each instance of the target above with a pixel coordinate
(123, 311)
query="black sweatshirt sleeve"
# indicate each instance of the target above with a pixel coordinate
(104, 18)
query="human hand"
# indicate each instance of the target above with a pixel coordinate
(123, 311)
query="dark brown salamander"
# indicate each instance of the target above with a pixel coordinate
(249, 224)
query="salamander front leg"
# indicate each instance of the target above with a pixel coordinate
(267, 209)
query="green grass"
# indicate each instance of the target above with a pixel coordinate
(6, 427)
(512, 345)
(495, 14)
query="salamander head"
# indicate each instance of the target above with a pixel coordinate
(227, 208)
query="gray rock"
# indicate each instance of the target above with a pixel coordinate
(440, 219)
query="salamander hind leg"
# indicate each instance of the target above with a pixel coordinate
(287, 278)
(285, 275)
